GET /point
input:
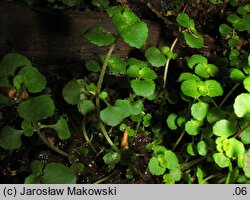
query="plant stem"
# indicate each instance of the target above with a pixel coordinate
(105, 133)
(167, 63)
(104, 178)
(99, 84)
(228, 95)
(54, 148)
(210, 177)
(85, 135)
(179, 139)
(191, 163)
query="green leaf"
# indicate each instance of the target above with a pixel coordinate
(86, 106)
(155, 57)
(210, 88)
(225, 30)
(171, 121)
(112, 115)
(144, 88)
(27, 128)
(77, 167)
(57, 173)
(36, 108)
(246, 163)
(12, 61)
(101, 4)
(188, 76)
(37, 167)
(112, 158)
(129, 26)
(237, 75)
(139, 63)
(33, 79)
(199, 174)
(72, 91)
(189, 88)
(172, 161)
(154, 167)
(117, 65)
(194, 40)
(32, 179)
(241, 105)
(62, 129)
(193, 127)
(246, 84)
(245, 136)
(221, 160)
(224, 128)
(135, 35)
(191, 149)
(175, 174)
(136, 107)
(93, 66)
(215, 114)
(202, 148)
(124, 105)
(99, 36)
(199, 110)
(147, 73)
(196, 59)
(183, 20)
(233, 147)
(10, 138)
(133, 71)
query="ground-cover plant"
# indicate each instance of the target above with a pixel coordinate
(199, 135)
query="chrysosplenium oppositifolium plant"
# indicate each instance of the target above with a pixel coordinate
(216, 120)
(208, 119)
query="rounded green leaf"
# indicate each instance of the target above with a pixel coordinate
(86, 106)
(214, 88)
(32, 179)
(125, 107)
(33, 79)
(135, 35)
(112, 116)
(36, 108)
(154, 167)
(133, 71)
(215, 114)
(202, 148)
(199, 110)
(155, 57)
(116, 65)
(189, 88)
(183, 20)
(93, 66)
(147, 73)
(175, 174)
(72, 91)
(191, 149)
(193, 127)
(196, 59)
(224, 128)
(246, 163)
(241, 105)
(144, 88)
(221, 160)
(112, 158)
(10, 138)
(172, 161)
(171, 121)
(37, 167)
(98, 36)
(246, 84)
(57, 173)
(233, 147)
(10, 62)
(245, 136)
(62, 129)
(194, 40)
(237, 75)
(137, 107)
(225, 30)
(187, 76)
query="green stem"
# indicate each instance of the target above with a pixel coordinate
(228, 95)
(210, 177)
(167, 63)
(85, 135)
(54, 148)
(179, 139)
(105, 133)
(104, 178)
(191, 163)
(101, 77)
